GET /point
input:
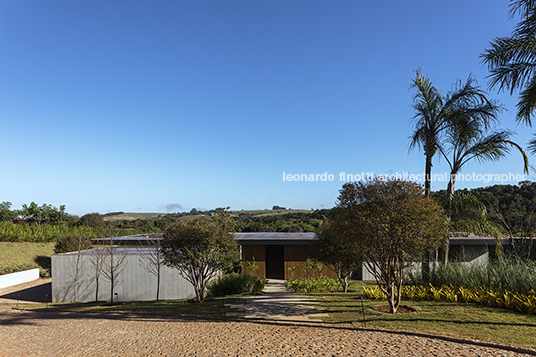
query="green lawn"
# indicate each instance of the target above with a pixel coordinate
(25, 255)
(440, 318)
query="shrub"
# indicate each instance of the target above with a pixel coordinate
(236, 284)
(72, 243)
(508, 273)
(524, 303)
(322, 283)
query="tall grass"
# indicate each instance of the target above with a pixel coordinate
(11, 232)
(507, 273)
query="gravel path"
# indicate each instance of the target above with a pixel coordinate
(27, 333)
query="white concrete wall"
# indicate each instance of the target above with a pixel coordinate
(135, 283)
(18, 277)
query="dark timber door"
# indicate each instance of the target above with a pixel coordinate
(275, 262)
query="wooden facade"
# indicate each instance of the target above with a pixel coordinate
(279, 257)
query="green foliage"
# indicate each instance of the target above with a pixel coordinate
(251, 266)
(507, 282)
(322, 283)
(507, 273)
(339, 250)
(524, 303)
(511, 60)
(199, 249)
(236, 284)
(20, 267)
(72, 243)
(141, 225)
(11, 232)
(93, 220)
(309, 266)
(165, 222)
(44, 214)
(436, 112)
(393, 224)
(6, 214)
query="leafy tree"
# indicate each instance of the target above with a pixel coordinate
(512, 60)
(222, 216)
(435, 113)
(164, 222)
(72, 243)
(33, 213)
(93, 220)
(393, 224)
(6, 214)
(199, 249)
(333, 247)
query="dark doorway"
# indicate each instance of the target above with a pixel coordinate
(275, 262)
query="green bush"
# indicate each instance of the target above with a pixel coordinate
(11, 232)
(236, 284)
(72, 243)
(322, 283)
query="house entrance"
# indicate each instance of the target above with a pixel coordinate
(275, 262)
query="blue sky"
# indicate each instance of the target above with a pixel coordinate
(139, 105)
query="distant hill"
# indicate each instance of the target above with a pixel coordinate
(152, 216)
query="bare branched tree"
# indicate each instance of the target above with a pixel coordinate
(97, 261)
(75, 244)
(153, 260)
(114, 264)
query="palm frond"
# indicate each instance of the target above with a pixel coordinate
(527, 103)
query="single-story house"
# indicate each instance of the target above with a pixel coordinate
(134, 279)
(276, 255)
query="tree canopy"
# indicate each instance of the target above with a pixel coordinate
(338, 250)
(199, 249)
(394, 224)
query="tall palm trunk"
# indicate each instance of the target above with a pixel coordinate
(428, 176)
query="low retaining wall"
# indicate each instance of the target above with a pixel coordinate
(18, 278)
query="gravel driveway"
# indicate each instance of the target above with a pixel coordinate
(27, 333)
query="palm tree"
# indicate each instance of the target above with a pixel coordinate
(512, 60)
(435, 113)
(467, 139)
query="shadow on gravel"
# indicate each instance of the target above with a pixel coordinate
(39, 293)
(35, 317)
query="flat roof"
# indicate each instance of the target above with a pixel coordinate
(117, 250)
(275, 238)
(475, 240)
(281, 238)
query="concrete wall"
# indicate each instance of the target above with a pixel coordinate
(18, 278)
(135, 282)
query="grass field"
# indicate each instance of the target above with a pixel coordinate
(25, 255)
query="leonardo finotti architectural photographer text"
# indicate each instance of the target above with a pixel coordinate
(442, 177)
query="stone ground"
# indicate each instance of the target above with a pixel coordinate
(27, 333)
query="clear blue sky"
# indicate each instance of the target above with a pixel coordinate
(139, 105)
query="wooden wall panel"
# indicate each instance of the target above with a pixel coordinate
(258, 252)
(294, 256)
(297, 254)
